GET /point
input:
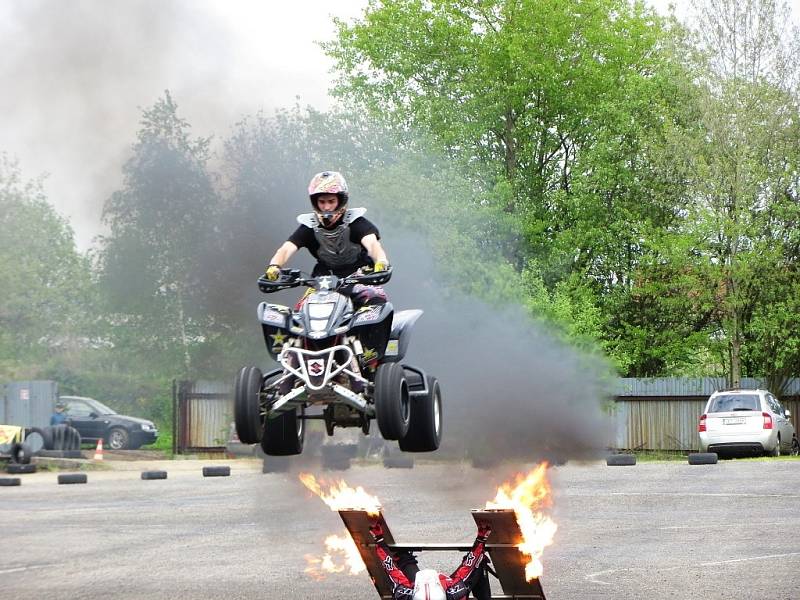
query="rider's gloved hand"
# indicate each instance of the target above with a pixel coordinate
(484, 529)
(273, 272)
(376, 529)
(380, 266)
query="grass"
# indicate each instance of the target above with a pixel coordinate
(681, 456)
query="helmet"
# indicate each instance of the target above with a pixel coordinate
(428, 586)
(61, 404)
(328, 182)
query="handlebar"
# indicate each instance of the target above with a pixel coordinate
(291, 278)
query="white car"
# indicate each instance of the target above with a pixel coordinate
(746, 421)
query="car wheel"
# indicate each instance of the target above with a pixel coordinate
(118, 438)
(285, 434)
(777, 450)
(392, 403)
(795, 447)
(247, 405)
(425, 422)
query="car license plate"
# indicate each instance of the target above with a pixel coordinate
(733, 421)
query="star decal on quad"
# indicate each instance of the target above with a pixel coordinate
(278, 339)
(370, 354)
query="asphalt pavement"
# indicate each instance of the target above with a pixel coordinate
(652, 531)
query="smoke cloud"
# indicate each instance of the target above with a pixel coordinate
(510, 389)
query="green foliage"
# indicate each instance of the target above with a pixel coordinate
(45, 311)
(161, 225)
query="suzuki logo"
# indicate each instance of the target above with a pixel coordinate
(316, 366)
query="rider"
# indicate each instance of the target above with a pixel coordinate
(341, 239)
(411, 583)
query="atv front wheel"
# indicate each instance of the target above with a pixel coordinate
(247, 405)
(285, 434)
(425, 426)
(392, 404)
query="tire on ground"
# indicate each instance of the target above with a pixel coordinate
(247, 405)
(425, 422)
(10, 481)
(392, 403)
(151, 475)
(398, 461)
(702, 458)
(285, 434)
(337, 457)
(276, 464)
(621, 460)
(21, 453)
(222, 471)
(18, 469)
(68, 478)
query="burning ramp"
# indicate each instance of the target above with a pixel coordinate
(509, 562)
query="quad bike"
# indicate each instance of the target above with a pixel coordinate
(341, 359)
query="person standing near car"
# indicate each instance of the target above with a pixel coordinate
(59, 417)
(340, 239)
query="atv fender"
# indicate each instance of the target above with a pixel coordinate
(401, 334)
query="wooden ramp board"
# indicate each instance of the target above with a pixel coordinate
(508, 561)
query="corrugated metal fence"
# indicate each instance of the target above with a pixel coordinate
(650, 414)
(662, 413)
(203, 414)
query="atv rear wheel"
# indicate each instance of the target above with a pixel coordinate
(425, 425)
(285, 434)
(392, 403)
(247, 405)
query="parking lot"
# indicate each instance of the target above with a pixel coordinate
(655, 530)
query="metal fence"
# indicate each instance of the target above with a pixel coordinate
(650, 414)
(202, 415)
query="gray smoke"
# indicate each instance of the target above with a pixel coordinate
(510, 389)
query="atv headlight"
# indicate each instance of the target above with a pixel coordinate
(320, 310)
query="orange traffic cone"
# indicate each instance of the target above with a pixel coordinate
(98, 452)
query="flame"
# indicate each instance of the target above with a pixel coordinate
(341, 496)
(341, 547)
(527, 496)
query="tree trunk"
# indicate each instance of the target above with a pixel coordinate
(184, 337)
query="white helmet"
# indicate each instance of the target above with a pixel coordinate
(428, 586)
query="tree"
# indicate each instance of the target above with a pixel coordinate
(745, 209)
(161, 225)
(562, 113)
(46, 307)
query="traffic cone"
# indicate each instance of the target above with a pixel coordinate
(98, 452)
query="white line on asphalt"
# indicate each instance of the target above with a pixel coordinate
(27, 568)
(593, 577)
(708, 494)
(716, 526)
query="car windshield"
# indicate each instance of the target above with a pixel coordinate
(99, 407)
(731, 402)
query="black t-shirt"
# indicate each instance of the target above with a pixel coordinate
(303, 237)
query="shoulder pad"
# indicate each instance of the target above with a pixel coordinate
(353, 213)
(308, 219)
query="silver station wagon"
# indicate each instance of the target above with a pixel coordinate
(746, 422)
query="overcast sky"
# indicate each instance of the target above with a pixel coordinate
(75, 75)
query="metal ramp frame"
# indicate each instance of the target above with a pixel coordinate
(508, 561)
